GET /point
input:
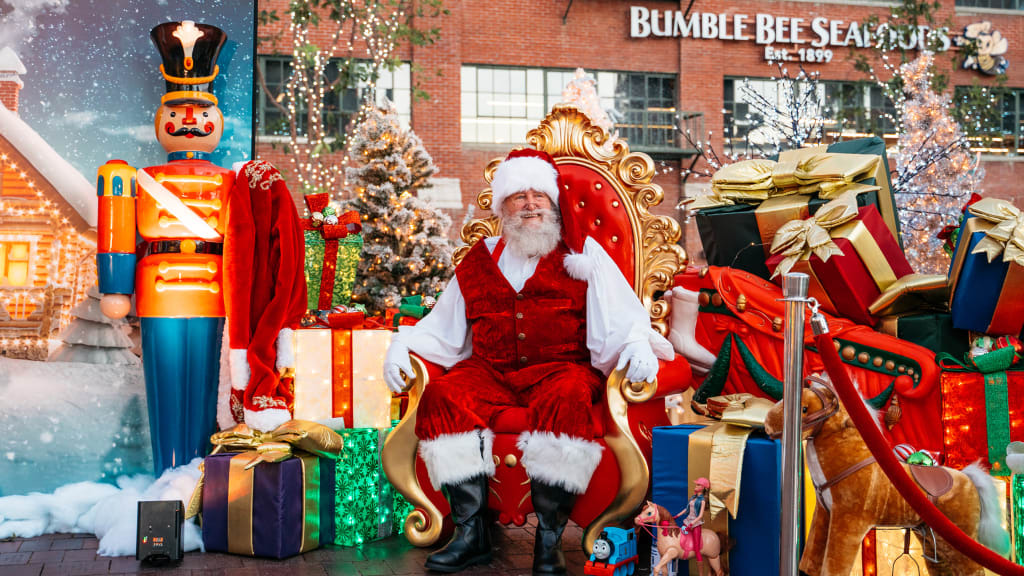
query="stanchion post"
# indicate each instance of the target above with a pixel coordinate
(794, 291)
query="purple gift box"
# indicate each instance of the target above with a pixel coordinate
(274, 510)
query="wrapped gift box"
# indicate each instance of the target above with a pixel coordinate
(982, 412)
(932, 330)
(986, 294)
(881, 554)
(274, 510)
(332, 255)
(847, 284)
(739, 235)
(367, 507)
(339, 373)
(755, 529)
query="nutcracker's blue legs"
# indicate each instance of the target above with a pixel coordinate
(181, 358)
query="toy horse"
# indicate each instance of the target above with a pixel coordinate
(672, 544)
(854, 495)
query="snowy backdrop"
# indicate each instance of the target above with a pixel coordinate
(63, 422)
(93, 77)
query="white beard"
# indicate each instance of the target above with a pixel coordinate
(527, 240)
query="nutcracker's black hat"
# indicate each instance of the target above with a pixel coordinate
(189, 52)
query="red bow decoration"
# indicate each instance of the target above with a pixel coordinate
(348, 223)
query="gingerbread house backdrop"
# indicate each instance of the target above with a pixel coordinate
(47, 228)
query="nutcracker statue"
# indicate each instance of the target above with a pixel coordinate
(181, 273)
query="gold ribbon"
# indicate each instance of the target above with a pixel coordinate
(277, 445)
(911, 293)
(716, 452)
(1006, 237)
(774, 213)
(799, 239)
(803, 172)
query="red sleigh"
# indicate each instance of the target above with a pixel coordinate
(607, 196)
(740, 321)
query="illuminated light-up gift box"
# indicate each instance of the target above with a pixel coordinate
(339, 373)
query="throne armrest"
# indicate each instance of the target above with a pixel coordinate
(398, 459)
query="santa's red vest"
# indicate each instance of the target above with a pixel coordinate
(545, 322)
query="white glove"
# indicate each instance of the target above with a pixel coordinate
(643, 364)
(397, 362)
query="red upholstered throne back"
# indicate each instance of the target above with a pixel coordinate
(590, 206)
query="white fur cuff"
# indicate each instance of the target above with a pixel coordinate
(559, 460)
(455, 458)
(285, 349)
(238, 360)
(266, 420)
(225, 419)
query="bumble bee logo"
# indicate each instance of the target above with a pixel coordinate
(990, 45)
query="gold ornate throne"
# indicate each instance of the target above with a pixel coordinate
(607, 193)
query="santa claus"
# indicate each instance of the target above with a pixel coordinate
(524, 322)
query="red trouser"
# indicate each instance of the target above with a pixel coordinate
(559, 396)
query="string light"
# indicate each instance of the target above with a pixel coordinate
(66, 281)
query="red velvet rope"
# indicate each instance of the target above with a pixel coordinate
(897, 475)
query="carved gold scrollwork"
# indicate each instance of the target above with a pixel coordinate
(475, 231)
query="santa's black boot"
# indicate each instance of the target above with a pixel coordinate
(471, 543)
(552, 504)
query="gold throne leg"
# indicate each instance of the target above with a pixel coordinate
(423, 524)
(634, 474)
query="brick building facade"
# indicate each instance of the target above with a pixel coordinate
(487, 49)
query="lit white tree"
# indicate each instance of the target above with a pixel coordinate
(935, 169)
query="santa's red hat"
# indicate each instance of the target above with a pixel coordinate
(525, 169)
(265, 294)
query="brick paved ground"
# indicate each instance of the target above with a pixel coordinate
(75, 554)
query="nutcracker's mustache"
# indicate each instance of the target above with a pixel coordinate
(185, 130)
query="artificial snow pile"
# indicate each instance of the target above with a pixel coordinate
(108, 511)
(68, 422)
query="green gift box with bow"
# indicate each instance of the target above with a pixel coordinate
(982, 408)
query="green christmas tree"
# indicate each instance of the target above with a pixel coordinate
(406, 249)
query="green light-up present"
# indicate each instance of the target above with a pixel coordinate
(331, 254)
(365, 502)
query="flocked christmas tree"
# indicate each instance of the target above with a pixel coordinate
(93, 337)
(935, 170)
(406, 250)
(581, 92)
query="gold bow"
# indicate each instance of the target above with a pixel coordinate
(274, 446)
(743, 409)
(1007, 236)
(798, 172)
(717, 450)
(799, 239)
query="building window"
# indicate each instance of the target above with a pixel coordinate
(500, 105)
(14, 263)
(1001, 130)
(340, 105)
(1000, 4)
(850, 110)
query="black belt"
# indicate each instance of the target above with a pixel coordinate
(174, 246)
